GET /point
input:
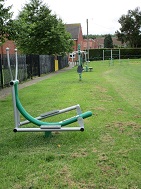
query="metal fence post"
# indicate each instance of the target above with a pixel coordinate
(38, 65)
(1, 72)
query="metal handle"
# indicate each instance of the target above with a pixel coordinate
(9, 66)
(8, 60)
(16, 71)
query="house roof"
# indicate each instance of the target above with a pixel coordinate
(100, 40)
(73, 29)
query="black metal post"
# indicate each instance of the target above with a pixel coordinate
(1, 72)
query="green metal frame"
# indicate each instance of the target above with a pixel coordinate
(38, 122)
(47, 127)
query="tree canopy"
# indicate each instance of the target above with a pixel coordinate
(108, 42)
(40, 32)
(130, 31)
(6, 22)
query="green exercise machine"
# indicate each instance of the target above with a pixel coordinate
(46, 127)
(80, 66)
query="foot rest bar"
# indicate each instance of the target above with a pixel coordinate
(43, 130)
(50, 126)
(75, 118)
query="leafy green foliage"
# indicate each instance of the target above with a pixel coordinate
(130, 32)
(5, 22)
(96, 36)
(90, 36)
(40, 32)
(108, 42)
(97, 54)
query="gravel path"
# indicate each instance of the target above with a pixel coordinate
(7, 91)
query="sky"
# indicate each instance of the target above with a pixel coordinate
(102, 15)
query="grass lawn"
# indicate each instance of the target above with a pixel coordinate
(107, 155)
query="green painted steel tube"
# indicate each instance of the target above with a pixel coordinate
(38, 122)
(75, 118)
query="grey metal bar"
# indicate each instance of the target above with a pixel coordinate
(16, 71)
(8, 60)
(56, 112)
(16, 113)
(50, 127)
(43, 130)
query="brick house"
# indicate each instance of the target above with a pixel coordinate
(76, 32)
(10, 44)
(99, 42)
(90, 43)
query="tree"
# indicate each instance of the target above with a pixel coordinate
(6, 22)
(90, 36)
(40, 32)
(108, 42)
(130, 31)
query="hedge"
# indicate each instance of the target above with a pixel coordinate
(97, 54)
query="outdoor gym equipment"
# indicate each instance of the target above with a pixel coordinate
(80, 67)
(113, 53)
(80, 60)
(46, 127)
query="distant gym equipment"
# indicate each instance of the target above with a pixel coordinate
(82, 55)
(46, 127)
(80, 66)
(113, 54)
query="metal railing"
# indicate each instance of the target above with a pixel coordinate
(29, 66)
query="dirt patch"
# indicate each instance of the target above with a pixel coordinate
(128, 127)
(101, 89)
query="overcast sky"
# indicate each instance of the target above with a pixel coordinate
(102, 15)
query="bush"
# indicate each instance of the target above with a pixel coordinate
(97, 54)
